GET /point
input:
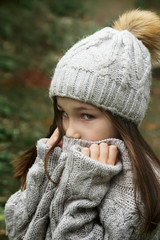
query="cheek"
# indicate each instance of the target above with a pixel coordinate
(111, 131)
(105, 129)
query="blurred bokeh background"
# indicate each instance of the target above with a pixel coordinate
(33, 36)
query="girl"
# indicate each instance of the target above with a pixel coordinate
(94, 176)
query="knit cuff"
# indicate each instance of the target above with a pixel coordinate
(42, 148)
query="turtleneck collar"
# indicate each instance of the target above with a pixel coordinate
(69, 142)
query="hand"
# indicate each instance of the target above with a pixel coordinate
(103, 153)
(51, 141)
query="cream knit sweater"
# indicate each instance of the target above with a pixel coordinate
(92, 201)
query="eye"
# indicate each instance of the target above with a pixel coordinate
(87, 116)
(64, 114)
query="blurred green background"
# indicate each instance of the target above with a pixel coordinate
(33, 36)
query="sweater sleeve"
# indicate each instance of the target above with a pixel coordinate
(83, 185)
(21, 206)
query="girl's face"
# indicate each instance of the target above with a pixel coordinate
(84, 121)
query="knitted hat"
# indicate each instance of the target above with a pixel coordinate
(110, 69)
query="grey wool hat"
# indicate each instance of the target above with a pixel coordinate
(110, 69)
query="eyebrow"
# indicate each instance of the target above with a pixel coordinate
(78, 108)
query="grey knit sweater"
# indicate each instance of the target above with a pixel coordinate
(91, 200)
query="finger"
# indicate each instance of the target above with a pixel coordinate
(113, 153)
(85, 151)
(55, 133)
(53, 138)
(51, 141)
(94, 151)
(104, 152)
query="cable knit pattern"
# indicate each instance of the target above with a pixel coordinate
(103, 65)
(21, 207)
(83, 185)
(91, 201)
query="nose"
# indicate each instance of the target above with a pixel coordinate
(72, 130)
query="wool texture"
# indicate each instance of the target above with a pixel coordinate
(91, 201)
(110, 69)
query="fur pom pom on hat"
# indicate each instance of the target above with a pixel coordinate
(111, 69)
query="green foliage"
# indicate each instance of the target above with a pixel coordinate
(5, 158)
(7, 134)
(5, 107)
(5, 19)
(37, 34)
(68, 8)
(146, 4)
(1, 214)
(10, 62)
(29, 5)
(2, 224)
(1, 217)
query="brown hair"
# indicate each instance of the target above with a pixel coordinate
(145, 180)
(142, 157)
